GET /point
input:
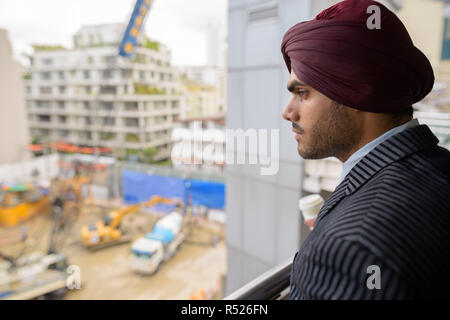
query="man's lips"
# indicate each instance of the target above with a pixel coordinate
(297, 135)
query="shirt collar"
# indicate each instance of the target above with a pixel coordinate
(363, 151)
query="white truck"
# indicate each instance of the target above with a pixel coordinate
(34, 275)
(150, 251)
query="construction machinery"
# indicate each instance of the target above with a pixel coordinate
(19, 202)
(149, 252)
(33, 275)
(107, 232)
(38, 274)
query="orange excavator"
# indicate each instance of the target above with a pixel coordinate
(107, 232)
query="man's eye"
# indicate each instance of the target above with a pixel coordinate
(301, 93)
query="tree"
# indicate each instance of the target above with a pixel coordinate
(148, 154)
(35, 140)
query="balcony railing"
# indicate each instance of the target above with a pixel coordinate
(271, 285)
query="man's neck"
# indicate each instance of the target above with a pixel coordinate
(370, 133)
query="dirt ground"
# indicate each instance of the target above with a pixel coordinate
(106, 273)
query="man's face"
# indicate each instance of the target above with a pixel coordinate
(322, 127)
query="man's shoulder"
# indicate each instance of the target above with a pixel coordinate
(414, 189)
(426, 170)
(416, 185)
(404, 207)
(439, 158)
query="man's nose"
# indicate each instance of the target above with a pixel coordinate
(289, 113)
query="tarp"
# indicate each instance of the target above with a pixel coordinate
(139, 187)
(209, 194)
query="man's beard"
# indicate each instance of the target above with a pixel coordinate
(333, 136)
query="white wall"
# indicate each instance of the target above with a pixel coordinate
(14, 137)
(264, 226)
(21, 172)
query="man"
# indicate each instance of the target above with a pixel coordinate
(384, 232)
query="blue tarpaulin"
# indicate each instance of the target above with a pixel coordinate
(139, 187)
(209, 194)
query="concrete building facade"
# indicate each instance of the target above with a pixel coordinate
(90, 96)
(14, 137)
(203, 91)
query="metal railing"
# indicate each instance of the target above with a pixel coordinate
(271, 285)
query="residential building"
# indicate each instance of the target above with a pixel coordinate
(203, 91)
(89, 95)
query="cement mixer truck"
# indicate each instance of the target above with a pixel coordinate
(149, 252)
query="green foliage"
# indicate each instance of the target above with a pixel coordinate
(107, 135)
(147, 155)
(141, 89)
(27, 76)
(97, 45)
(141, 155)
(132, 154)
(167, 163)
(131, 137)
(150, 151)
(44, 47)
(129, 152)
(36, 140)
(149, 44)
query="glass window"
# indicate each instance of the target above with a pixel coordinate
(44, 118)
(107, 90)
(106, 105)
(45, 75)
(45, 90)
(47, 61)
(107, 74)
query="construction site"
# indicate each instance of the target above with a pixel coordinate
(67, 239)
(94, 209)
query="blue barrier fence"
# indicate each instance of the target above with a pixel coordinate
(138, 187)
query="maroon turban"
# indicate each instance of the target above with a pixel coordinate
(375, 70)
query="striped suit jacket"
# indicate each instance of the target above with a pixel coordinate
(391, 211)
